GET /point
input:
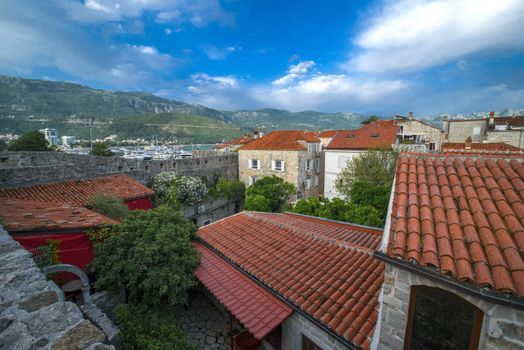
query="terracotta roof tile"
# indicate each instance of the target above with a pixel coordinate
(473, 228)
(77, 192)
(257, 309)
(379, 134)
(325, 268)
(493, 147)
(26, 216)
(282, 140)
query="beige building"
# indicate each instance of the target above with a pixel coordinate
(293, 155)
(418, 136)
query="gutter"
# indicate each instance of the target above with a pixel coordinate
(482, 293)
(54, 231)
(280, 297)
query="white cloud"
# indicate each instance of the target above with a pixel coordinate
(411, 35)
(220, 53)
(294, 72)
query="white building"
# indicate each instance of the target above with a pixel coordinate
(347, 144)
(51, 135)
(68, 141)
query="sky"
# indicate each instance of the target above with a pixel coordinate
(382, 57)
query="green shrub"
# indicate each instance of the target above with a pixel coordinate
(100, 149)
(233, 190)
(367, 194)
(275, 190)
(257, 202)
(30, 141)
(108, 205)
(148, 329)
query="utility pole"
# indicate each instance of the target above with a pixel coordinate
(91, 120)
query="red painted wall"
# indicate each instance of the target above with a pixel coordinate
(139, 204)
(75, 248)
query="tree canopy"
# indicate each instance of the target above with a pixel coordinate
(108, 205)
(152, 258)
(274, 189)
(371, 119)
(30, 141)
(100, 149)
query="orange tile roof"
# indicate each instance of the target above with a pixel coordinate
(379, 134)
(517, 120)
(78, 192)
(328, 133)
(27, 216)
(459, 147)
(463, 216)
(242, 140)
(326, 269)
(256, 308)
(286, 140)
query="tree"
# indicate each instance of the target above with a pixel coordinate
(371, 119)
(375, 167)
(274, 189)
(30, 141)
(108, 205)
(3, 145)
(141, 328)
(367, 194)
(186, 190)
(257, 202)
(152, 258)
(233, 190)
(100, 149)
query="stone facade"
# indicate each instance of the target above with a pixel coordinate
(503, 326)
(296, 326)
(512, 137)
(32, 314)
(294, 169)
(427, 134)
(460, 130)
(209, 211)
(29, 168)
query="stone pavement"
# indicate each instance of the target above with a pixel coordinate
(206, 326)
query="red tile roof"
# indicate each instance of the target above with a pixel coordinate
(328, 133)
(460, 147)
(379, 134)
(242, 140)
(287, 140)
(257, 309)
(463, 216)
(513, 121)
(329, 273)
(26, 216)
(78, 192)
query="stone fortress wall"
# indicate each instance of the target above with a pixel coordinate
(29, 168)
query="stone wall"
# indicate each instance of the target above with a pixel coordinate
(417, 127)
(512, 137)
(209, 211)
(297, 325)
(503, 327)
(460, 130)
(32, 314)
(28, 168)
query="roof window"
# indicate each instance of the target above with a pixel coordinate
(375, 135)
(351, 136)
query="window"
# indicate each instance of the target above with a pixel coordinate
(441, 320)
(309, 164)
(401, 129)
(307, 184)
(476, 130)
(206, 222)
(278, 165)
(432, 146)
(317, 165)
(254, 164)
(310, 147)
(317, 148)
(342, 161)
(252, 180)
(375, 135)
(307, 344)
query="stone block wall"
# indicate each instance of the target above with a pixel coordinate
(297, 325)
(512, 137)
(209, 211)
(502, 329)
(32, 316)
(29, 168)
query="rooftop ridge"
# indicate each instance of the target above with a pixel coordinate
(317, 237)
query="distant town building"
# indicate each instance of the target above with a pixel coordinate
(479, 147)
(51, 135)
(233, 145)
(68, 141)
(346, 144)
(293, 155)
(417, 136)
(509, 130)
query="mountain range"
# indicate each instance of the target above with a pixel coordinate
(28, 104)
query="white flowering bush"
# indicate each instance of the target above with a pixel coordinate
(186, 190)
(162, 182)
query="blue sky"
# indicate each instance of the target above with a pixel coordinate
(385, 57)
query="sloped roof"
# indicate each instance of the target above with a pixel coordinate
(286, 140)
(25, 216)
(78, 192)
(235, 142)
(257, 309)
(328, 133)
(379, 134)
(325, 269)
(459, 147)
(513, 121)
(463, 217)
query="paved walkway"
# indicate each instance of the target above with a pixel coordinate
(204, 324)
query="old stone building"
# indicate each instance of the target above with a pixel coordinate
(293, 155)
(453, 247)
(417, 136)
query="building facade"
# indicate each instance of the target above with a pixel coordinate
(347, 144)
(418, 136)
(51, 135)
(293, 155)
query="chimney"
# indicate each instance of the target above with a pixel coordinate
(491, 119)
(410, 116)
(445, 126)
(467, 147)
